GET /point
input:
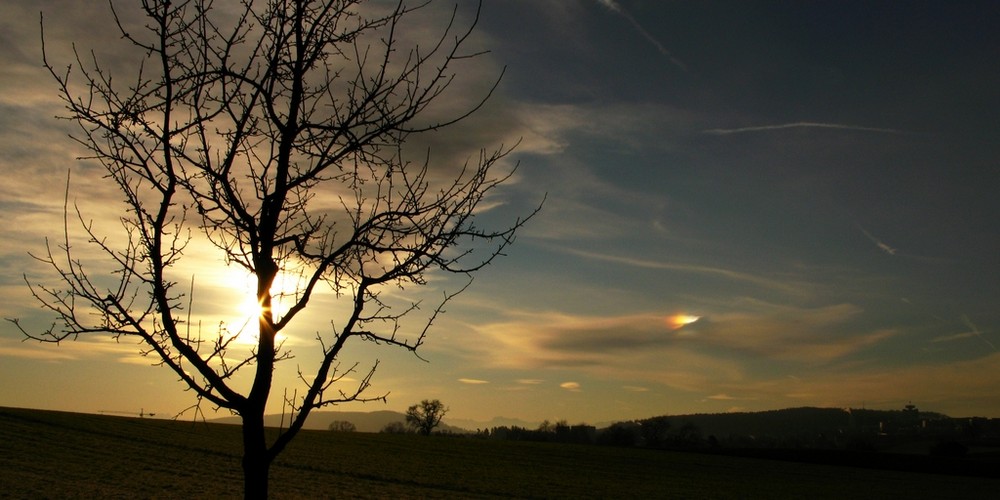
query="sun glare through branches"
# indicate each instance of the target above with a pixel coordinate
(243, 286)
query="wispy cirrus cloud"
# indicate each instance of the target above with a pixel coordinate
(784, 126)
(691, 268)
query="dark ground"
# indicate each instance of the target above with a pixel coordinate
(69, 455)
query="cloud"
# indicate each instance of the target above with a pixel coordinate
(635, 388)
(723, 397)
(93, 347)
(40, 354)
(597, 335)
(571, 386)
(781, 332)
(473, 381)
(584, 192)
(720, 350)
(765, 128)
(527, 340)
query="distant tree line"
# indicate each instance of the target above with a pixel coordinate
(788, 429)
(798, 428)
(342, 426)
(559, 432)
(654, 432)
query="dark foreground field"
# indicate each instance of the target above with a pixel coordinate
(67, 455)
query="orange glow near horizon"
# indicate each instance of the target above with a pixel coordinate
(679, 320)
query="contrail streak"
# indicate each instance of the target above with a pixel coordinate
(764, 128)
(613, 6)
(975, 330)
(689, 268)
(882, 246)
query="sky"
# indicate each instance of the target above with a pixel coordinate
(748, 206)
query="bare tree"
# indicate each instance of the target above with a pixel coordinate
(342, 426)
(277, 136)
(394, 428)
(425, 416)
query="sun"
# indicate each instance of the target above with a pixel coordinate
(249, 310)
(249, 307)
(678, 321)
(245, 285)
(282, 291)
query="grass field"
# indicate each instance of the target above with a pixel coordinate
(70, 455)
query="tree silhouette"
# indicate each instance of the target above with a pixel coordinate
(394, 428)
(654, 431)
(275, 133)
(425, 416)
(342, 426)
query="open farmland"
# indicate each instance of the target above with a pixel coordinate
(65, 455)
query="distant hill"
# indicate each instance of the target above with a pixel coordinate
(797, 421)
(373, 421)
(773, 423)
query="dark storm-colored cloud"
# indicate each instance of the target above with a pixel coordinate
(606, 339)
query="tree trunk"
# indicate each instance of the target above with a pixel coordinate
(256, 463)
(256, 459)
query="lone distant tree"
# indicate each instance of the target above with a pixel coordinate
(427, 415)
(546, 427)
(271, 131)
